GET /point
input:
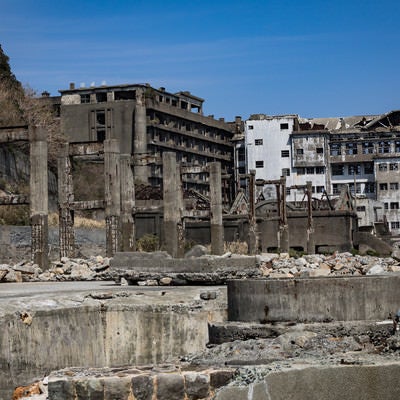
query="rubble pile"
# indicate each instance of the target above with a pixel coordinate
(66, 269)
(269, 265)
(320, 265)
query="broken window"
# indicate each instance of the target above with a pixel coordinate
(259, 164)
(354, 169)
(395, 225)
(369, 168)
(258, 142)
(382, 167)
(320, 189)
(250, 127)
(320, 170)
(361, 208)
(397, 146)
(384, 147)
(284, 153)
(386, 206)
(351, 148)
(393, 166)
(383, 186)
(337, 169)
(285, 171)
(300, 171)
(299, 152)
(336, 188)
(336, 149)
(394, 186)
(288, 191)
(101, 97)
(125, 95)
(320, 150)
(85, 98)
(368, 148)
(284, 126)
(394, 205)
(310, 170)
(369, 187)
(358, 187)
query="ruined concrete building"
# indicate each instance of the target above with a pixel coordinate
(148, 122)
(361, 152)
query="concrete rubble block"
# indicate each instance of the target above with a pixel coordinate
(197, 251)
(89, 389)
(61, 388)
(170, 387)
(377, 269)
(117, 388)
(142, 387)
(197, 385)
(222, 377)
(208, 295)
(233, 393)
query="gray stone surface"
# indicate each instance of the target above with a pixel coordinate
(170, 386)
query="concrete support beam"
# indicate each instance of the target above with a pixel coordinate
(283, 233)
(173, 201)
(65, 200)
(127, 203)
(253, 235)
(140, 135)
(217, 228)
(112, 195)
(310, 224)
(39, 195)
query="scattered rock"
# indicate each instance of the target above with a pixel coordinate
(208, 295)
(197, 251)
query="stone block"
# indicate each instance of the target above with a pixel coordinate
(142, 387)
(116, 388)
(170, 386)
(221, 377)
(259, 391)
(197, 385)
(61, 389)
(89, 389)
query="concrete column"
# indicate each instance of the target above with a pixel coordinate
(217, 228)
(310, 224)
(252, 243)
(112, 195)
(283, 224)
(65, 198)
(172, 195)
(127, 203)
(39, 195)
(140, 136)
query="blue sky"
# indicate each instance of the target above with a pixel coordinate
(315, 58)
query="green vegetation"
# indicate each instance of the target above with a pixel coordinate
(148, 243)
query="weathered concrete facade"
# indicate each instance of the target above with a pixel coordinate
(148, 122)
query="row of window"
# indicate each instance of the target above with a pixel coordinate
(391, 206)
(318, 150)
(392, 186)
(369, 187)
(283, 126)
(395, 225)
(352, 169)
(337, 149)
(310, 170)
(392, 167)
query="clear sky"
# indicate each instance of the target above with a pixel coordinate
(315, 58)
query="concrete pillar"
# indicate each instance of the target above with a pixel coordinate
(252, 243)
(127, 203)
(39, 195)
(172, 196)
(310, 224)
(217, 228)
(112, 195)
(65, 198)
(283, 224)
(140, 136)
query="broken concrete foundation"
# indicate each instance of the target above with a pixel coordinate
(315, 299)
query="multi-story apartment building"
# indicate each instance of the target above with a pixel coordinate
(149, 121)
(360, 152)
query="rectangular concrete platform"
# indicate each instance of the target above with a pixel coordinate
(315, 299)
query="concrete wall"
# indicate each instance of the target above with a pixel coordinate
(356, 382)
(333, 231)
(315, 299)
(94, 335)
